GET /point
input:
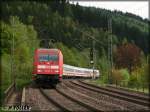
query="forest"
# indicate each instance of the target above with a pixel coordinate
(25, 25)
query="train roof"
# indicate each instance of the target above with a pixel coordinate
(79, 68)
(46, 49)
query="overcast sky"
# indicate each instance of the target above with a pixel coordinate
(139, 8)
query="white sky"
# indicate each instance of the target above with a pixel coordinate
(139, 8)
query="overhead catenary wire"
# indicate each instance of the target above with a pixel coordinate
(93, 48)
(90, 36)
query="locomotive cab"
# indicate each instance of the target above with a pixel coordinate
(48, 66)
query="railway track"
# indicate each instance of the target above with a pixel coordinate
(92, 99)
(56, 99)
(38, 101)
(70, 96)
(119, 105)
(66, 102)
(141, 100)
(73, 102)
(56, 103)
(128, 90)
(99, 105)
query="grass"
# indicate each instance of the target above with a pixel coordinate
(20, 83)
(97, 82)
(6, 74)
(146, 90)
(100, 82)
(23, 76)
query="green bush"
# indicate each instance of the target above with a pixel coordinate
(116, 77)
(102, 65)
(120, 76)
(140, 77)
(126, 76)
(144, 75)
(133, 81)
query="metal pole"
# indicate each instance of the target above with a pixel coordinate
(12, 61)
(93, 58)
(108, 62)
(13, 73)
(110, 54)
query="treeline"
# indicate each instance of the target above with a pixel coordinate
(58, 20)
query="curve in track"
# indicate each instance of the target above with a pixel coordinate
(116, 95)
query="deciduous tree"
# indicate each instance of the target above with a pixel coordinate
(128, 56)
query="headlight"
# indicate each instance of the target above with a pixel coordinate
(39, 70)
(54, 67)
(41, 66)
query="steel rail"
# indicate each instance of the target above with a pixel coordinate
(120, 92)
(112, 94)
(54, 102)
(79, 102)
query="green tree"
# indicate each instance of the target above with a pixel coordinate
(25, 41)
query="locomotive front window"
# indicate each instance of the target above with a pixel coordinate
(47, 57)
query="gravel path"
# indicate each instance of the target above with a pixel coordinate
(37, 101)
(15, 99)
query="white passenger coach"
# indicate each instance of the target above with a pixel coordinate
(72, 71)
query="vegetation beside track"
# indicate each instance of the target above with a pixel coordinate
(16, 57)
(99, 82)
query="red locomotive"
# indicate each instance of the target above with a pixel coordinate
(48, 65)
